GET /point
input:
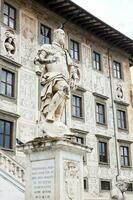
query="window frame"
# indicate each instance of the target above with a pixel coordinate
(80, 94)
(78, 51)
(12, 84)
(87, 184)
(8, 15)
(130, 191)
(4, 134)
(100, 184)
(121, 119)
(76, 106)
(98, 114)
(107, 152)
(115, 61)
(45, 26)
(100, 58)
(129, 155)
(13, 69)
(17, 7)
(102, 102)
(11, 117)
(122, 108)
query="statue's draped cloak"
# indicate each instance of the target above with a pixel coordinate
(51, 78)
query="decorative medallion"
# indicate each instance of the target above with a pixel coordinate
(10, 43)
(72, 180)
(119, 92)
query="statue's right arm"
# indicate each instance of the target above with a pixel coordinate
(42, 55)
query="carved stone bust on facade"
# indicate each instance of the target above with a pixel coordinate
(119, 192)
(58, 74)
(9, 43)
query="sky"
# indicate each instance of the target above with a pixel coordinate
(116, 13)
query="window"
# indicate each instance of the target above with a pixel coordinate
(124, 156)
(105, 185)
(121, 118)
(9, 16)
(76, 106)
(6, 134)
(130, 187)
(96, 61)
(86, 184)
(7, 83)
(117, 70)
(74, 49)
(100, 113)
(45, 34)
(79, 140)
(103, 152)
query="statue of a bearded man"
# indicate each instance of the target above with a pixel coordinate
(119, 192)
(58, 74)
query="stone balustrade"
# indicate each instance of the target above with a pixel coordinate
(10, 166)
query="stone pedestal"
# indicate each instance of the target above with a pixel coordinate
(54, 169)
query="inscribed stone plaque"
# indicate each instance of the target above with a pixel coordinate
(43, 180)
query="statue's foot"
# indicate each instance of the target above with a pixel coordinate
(49, 118)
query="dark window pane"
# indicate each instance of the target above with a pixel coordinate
(5, 9)
(3, 88)
(76, 106)
(1, 127)
(74, 49)
(11, 23)
(8, 128)
(124, 152)
(96, 61)
(9, 78)
(9, 90)
(121, 118)
(5, 134)
(45, 33)
(9, 15)
(85, 184)
(1, 140)
(7, 83)
(12, 13)
(105, 185)
(103, 152)
(130, 187)
(100, 113)
(3, 76)
(5, 19)
(7, 142)
(117, 70)
(80, 140)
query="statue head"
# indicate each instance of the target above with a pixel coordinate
(59, 36)
(122, 183)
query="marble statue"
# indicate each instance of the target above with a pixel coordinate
(119, 192)
(58, 74)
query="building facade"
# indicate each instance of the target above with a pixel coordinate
(99, 112)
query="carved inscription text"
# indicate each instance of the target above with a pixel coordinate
(43, 180)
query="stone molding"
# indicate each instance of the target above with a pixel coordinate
(9, 113)
(100, 96)
(10, 61)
